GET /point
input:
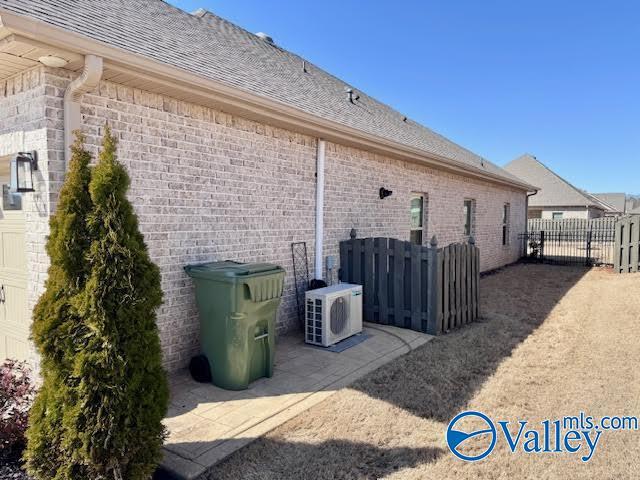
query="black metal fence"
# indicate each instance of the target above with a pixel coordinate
(570, 247)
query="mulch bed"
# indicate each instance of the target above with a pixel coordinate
(13, 471)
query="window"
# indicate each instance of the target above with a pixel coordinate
(468, 217)
(556, 215)
(10, 200)
(417, 218)
(506, 220)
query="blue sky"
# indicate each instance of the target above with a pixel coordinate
(558, 79)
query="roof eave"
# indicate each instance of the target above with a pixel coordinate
(241, 101)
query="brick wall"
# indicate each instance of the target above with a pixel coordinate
(207, 185)
(23, 127)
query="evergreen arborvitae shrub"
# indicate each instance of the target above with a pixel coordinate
(115, 390)
(56, 323)
(123, 393)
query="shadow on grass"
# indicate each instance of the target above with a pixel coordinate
(437, 380)
(335, 459)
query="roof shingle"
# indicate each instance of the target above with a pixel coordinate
(554, 191)
(209, 46)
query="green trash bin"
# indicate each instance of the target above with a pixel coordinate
(237, 303)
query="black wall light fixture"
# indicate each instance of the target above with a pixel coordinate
(22, 167)
(384, 193)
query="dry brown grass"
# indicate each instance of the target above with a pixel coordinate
(553, 341)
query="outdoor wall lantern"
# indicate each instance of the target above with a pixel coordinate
(384, 193)
(22, 168)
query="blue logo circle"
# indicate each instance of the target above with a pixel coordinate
(456, 437)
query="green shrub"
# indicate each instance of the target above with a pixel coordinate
(114, 391)
(57, 325)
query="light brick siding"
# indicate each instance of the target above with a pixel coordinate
(23, 127)
(211, 186)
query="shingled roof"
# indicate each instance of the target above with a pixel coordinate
(554, 191)
(617, 201)
(206, 45)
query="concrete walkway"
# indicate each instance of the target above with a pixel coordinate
(207, 423)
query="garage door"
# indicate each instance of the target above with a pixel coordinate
(14, 316)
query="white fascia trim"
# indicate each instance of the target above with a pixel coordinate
(240, 100)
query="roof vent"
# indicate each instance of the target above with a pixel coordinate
(265, 37)
(201, 12)
(351, 94)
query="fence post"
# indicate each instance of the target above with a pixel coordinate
(617, 248)
(541, 246)
(588, 259)
(435, 286)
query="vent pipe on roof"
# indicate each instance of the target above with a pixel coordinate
(87, 81)
(265, 37)
(352, 96)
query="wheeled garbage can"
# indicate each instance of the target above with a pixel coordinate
(237, 304)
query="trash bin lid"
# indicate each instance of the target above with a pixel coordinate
(229, 270)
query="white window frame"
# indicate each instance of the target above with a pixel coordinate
(421, 228)
(506, 224)
(469, 218)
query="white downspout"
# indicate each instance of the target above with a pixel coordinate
(87, 81)
(318, 270)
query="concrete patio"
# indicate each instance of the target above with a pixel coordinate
(207, 423)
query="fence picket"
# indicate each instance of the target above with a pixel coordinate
(398, 282)
(416, 287)
(368, 287)
(634, 244)
(458, 285)
(382, 271)
(446, 271)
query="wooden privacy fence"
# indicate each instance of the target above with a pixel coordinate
(627, 249)
(427, 289)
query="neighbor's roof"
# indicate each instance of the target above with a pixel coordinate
(617, 201)
(554, 191)
(633, 204)
(209, 46)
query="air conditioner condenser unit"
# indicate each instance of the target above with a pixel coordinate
(333, 314)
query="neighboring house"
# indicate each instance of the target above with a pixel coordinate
(223, 133)
(617, 202)
(633, 205)
(623, 204)
(556, 197)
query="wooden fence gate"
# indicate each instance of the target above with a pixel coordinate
(627, 248)
(427, 289)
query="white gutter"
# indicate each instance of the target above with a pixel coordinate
(318, 270)
(87, 81)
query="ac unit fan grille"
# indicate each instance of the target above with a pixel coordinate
(339, 316)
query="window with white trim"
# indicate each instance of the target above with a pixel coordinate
(469, 214)
(417, 218)
(506, 223)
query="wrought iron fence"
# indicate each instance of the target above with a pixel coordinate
(570, 247)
